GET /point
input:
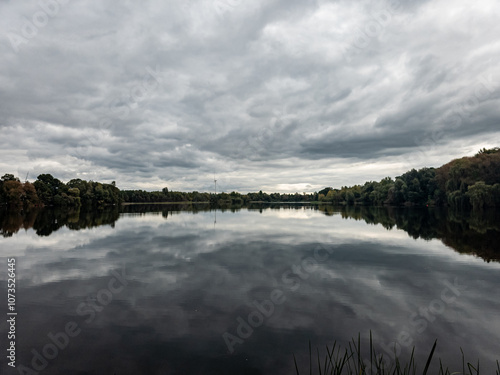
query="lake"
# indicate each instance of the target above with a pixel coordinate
(164, 289)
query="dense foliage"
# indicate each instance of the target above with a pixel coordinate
(462, 183)
(49, 191)
(141, 196)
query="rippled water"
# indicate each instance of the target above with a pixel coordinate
(161, 290)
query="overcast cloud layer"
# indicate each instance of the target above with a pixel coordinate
(274, 95)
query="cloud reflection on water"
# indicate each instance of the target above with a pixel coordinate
(190, 282)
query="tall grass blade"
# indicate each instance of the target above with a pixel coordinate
(371, 353)
(412, 365)
(430, 358)
(349, 361)
(359, 352)
(310, 359)
(463, 361)
(329, 358)
(319, 363)
(296, 367)
(469, 365)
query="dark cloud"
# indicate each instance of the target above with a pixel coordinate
(186, 88)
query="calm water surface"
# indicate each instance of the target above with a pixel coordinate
(162, 290)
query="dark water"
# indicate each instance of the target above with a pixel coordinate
(177, 290)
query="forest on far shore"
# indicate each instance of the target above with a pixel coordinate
(468, 182)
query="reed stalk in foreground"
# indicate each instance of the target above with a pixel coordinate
(349, 361)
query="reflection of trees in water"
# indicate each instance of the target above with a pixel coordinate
(11, 222)
(45, 221)
(165, 210)
(466, 231)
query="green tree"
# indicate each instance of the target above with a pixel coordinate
(9, 177)
(350, 198)
(47, 188)
(481, 195)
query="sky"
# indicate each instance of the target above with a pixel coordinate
(276, 95)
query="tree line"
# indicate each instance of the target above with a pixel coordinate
(468, 182)
(50, 191)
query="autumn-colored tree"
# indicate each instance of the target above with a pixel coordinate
(14, 192)
(30, 194)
